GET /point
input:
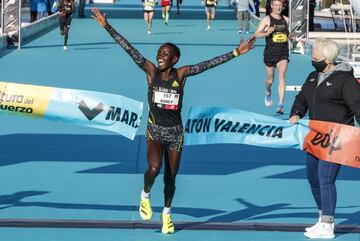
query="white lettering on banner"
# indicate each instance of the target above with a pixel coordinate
(166, 98)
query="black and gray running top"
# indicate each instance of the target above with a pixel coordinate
(165, 96)
(277, 42)
(165, 99)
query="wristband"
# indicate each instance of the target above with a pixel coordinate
(235, 53)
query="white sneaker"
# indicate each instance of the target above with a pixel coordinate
(149, 32)
(240, 31)
(208, 28)
(310, 229)
(65, 48)
(322, 231)
(247, 32)
(268, 100)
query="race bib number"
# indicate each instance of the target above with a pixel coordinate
(149, 4)
(279, 38)
(166, 100)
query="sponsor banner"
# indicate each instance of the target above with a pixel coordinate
(328, 141)
(30, 100)
(214, 125)
(334, 142)
(105, 111)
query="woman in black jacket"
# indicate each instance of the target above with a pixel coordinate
(332, 94)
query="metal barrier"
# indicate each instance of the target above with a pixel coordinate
(34, 29)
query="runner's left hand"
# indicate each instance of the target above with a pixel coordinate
(100, 18)
(245, 47)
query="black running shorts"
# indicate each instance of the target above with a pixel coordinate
(170, 136)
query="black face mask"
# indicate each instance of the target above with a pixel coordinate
(320, 65)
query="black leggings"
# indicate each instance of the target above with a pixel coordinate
(156, 153)
(65, 21)
(178, 3)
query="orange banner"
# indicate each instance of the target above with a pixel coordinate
(333, 142)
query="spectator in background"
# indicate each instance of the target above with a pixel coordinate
(178, 3)
(312, 4)
(33, 4)
(54, 6)
(255, 8)
(42, 8)
(268, 7)
(285, 8)
(242, 15)
(81, 8)
(48, 6)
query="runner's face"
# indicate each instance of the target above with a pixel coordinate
(276, 7)
(166, 57)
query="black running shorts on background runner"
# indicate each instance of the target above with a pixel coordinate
(272, 60)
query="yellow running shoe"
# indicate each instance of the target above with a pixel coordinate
(145, 209)
(168, 226)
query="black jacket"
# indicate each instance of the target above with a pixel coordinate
(336, 99)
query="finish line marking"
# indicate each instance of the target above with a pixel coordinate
(115, 224)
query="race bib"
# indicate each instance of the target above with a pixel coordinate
(166, 100)
(149, 4)
(279, 38)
